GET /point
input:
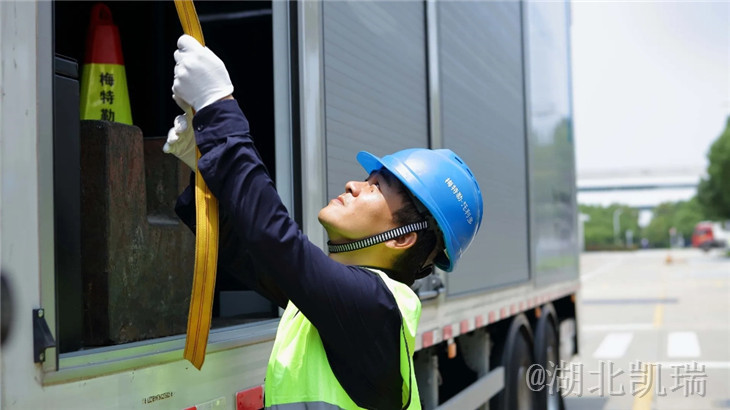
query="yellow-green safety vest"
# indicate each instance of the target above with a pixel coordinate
(299, 375)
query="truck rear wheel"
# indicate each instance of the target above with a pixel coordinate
(515, 355)
(547, 348)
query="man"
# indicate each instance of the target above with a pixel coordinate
(347, 336)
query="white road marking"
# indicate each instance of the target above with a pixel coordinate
(629, 327)
(603, 269)
(692, 365)
(617, 327)
(614, 345)
(683, 344)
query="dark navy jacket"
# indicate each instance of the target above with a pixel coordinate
(356, 315)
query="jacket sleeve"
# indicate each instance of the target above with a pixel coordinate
(353, 310)
(236, 265)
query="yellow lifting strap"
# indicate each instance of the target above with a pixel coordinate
(206, 233)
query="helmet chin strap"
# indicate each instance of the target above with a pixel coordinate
(376, 239)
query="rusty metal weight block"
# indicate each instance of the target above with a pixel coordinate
(137, 257)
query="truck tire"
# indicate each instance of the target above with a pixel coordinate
(515, 355)
(547, 355)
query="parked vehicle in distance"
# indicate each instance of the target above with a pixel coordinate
(708, 235)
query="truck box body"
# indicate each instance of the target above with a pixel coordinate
(319, 81)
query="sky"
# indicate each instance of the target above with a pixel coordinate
(651, 83)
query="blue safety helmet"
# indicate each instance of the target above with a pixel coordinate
(445, 186)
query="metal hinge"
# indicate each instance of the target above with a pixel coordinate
(429, 287)
(42, 337)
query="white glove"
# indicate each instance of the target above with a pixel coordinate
(200, 76)
(181, 140)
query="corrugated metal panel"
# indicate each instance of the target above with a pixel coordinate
(482, 102)
(375, 83)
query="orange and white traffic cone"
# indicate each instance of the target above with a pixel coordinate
(104, 93)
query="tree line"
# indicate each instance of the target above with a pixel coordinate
(607, 227)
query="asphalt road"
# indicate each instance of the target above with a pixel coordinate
(654, 329)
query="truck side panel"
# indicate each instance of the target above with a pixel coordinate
(364, 75)
(483, 121)
(20, 226)
(375, 83)
(554, 243)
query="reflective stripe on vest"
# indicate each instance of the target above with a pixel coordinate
(312, 405)
(299, 376)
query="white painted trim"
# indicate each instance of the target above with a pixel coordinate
(311, 105)
(282, 104)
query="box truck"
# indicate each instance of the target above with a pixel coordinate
(97, 268)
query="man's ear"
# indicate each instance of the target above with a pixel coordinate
(402, 242)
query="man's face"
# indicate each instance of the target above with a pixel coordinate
(365, 209)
